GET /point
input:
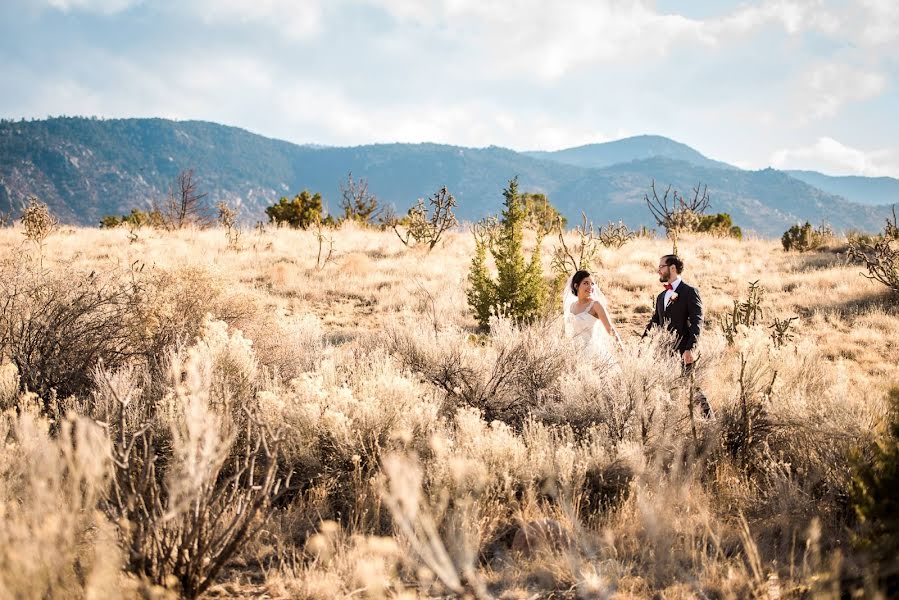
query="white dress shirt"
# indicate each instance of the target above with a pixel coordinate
(669, 293)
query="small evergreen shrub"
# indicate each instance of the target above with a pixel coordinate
(110, 222)
(804, 238)
(357, 203)
(135, 220)
(518, 292)
(719, 225)
(303, 211)
(874, 485)
(540, 214)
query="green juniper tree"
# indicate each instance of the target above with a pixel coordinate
(300, 213)
(719, 225)
(539, 212)
(518, 290)
(481, 288)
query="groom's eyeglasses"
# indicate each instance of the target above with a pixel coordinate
(663, 267)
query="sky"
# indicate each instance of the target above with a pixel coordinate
(793, 84)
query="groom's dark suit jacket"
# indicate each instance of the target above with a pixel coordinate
(683, 316)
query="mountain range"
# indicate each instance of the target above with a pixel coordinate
(85, 168)
(862, 190)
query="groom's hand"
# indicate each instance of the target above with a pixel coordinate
(688, 357)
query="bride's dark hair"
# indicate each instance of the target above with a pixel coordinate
(577, 279)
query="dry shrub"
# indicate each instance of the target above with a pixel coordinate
(517, 369)
(649, 509)
(288, 345)
(790, 429)
(606, 486)
(483, 467)
(341, 419)
(9, 385)
(625, 395)
(448, 549)
(169, 306)
(475, 453)
(473, 486)
(38, 223)
(880, 255)
(233, 368)
(615, 235)
(337, 564)
(56, 326)
(54, 543)
(668, 527)
(504, 479)
(195, 470)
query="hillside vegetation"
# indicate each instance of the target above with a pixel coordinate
(187, 415)
(86, 169)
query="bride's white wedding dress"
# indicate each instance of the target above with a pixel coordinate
(588, 333)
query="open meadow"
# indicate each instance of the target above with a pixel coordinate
(184, 415)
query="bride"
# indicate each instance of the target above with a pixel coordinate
(587, 320)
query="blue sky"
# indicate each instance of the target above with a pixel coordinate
(788, 83)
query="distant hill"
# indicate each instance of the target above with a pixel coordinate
(87, 168)
(862, 190)
(639, 147)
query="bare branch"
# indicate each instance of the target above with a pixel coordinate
(579, 256)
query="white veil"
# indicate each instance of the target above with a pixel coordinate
(568, 298)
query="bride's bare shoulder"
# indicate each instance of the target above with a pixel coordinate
(597, 309)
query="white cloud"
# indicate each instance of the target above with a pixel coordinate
(293, 19)
(832, 157)
(311, 107)
(546, 40)
(794, 16)
(882, 23)
(541, 39)
(828, 87)
(108, 7)
(526, 74)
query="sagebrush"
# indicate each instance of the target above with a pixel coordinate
(255, 423)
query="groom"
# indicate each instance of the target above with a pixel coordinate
(679, 308)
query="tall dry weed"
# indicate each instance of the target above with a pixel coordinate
(358, 406)
(54, 542)
(195, 479)
(513, 372)
(627, 395)
(289, 345)
(336, 370)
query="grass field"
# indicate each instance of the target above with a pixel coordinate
(330, 422)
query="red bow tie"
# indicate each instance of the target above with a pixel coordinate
(668, 286)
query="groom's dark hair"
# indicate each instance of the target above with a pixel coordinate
(672, 259)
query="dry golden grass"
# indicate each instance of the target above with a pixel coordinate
(400, 487)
